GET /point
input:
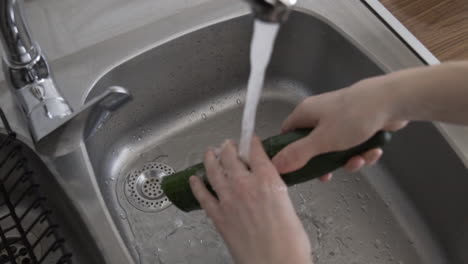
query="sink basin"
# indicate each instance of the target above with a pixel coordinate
(188, 94)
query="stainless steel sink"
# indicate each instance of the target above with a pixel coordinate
(188, 94)
(187, 72)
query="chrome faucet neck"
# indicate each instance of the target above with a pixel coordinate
(14, 34)
(30, 79)
(27, 72)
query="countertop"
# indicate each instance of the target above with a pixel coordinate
(441, 25)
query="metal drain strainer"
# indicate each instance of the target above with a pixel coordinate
(143, 187)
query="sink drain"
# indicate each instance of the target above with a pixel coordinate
(143, 187)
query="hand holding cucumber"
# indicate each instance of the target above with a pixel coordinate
(252, 210)
(349, 116)
(342, 119)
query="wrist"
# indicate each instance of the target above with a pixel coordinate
(384, 95)
(393, 99)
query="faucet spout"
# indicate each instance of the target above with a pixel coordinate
(273, 11)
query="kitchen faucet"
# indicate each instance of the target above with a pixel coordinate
(30, 79)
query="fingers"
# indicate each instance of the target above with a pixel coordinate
(207, 201)
(229, 158)
(396, 125)
(372, 156)
(355, 163)
(326, 178)
(298, 153)
(368, 158)
(258, 158)
(213, 170)
(301, 117)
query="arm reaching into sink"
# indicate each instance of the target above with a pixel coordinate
(245, 205)
(349, 116)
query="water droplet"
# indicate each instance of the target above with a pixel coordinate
(302, 208)
(238, 101)
(204, 116)
(112, 178)
(123, 216)
(139, 138)
(364, 208)
(178, 223)
(377, 243)
(211, 108)
(191, 243)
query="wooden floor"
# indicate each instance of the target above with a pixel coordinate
(441, 25)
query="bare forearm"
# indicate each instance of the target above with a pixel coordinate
(437, 93)
(347, 117)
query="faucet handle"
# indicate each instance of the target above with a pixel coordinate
(44, 94)
(83, 123)
(57, 108)
(275, 11)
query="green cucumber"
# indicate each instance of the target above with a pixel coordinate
(177, 188)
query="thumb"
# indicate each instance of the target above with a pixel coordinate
(297, 154)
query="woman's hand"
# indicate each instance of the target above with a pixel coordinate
(341, 119)
(253, 211)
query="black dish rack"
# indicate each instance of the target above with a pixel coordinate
(27, 232)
